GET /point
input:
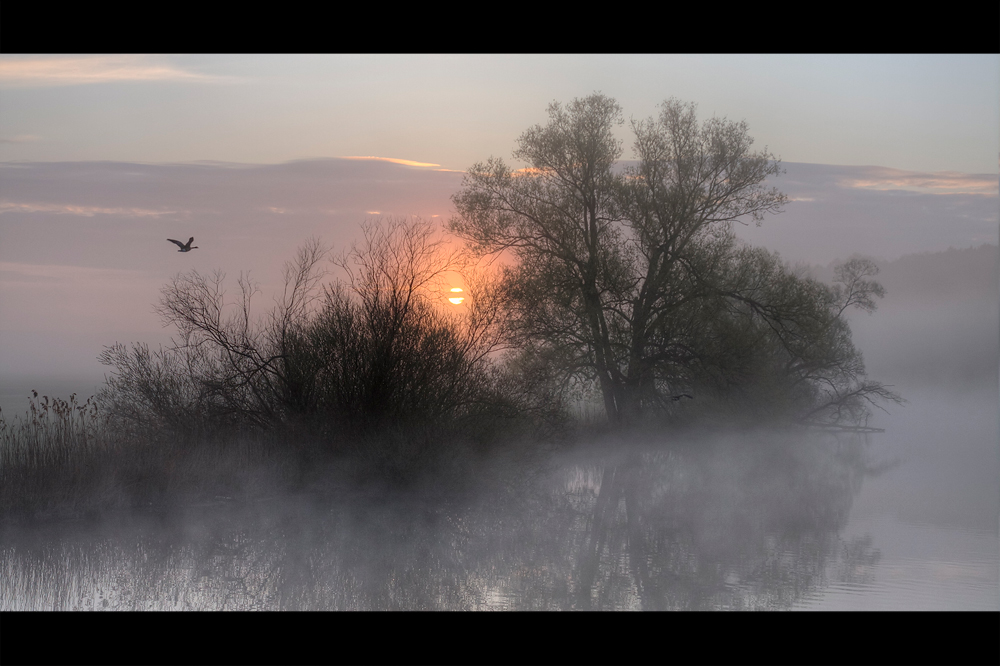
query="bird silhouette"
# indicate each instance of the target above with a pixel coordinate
(184, 247)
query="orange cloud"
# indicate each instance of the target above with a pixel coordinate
(394, 160)
(77, 70)
(943, 182)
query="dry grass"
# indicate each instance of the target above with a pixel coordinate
(65, 459)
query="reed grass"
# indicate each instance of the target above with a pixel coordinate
(50, 432)
(71, 459)
(68, 459)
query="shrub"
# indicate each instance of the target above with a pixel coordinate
(371, 361)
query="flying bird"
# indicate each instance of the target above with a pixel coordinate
(675, 398)
(184, 247)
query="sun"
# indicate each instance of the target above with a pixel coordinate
(456, 298)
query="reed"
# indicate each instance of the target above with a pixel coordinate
(69, 459)
(49, 431)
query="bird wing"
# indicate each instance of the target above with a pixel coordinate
(190, 240)
(179, 244)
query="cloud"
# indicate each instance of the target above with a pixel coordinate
(83, 244)
(253, 216)
(835, 211)
(244, 217)
(394, 160)
(85, 211)
(20, 272)
(944, 182)
(232, 195)
(34, 72)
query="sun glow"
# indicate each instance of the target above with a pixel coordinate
(456, 298)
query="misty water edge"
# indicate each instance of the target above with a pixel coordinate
(714, 518)
(762, 520)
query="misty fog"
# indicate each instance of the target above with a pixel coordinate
(902, 518)
(478, 486)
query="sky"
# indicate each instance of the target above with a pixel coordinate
(914, 112)
(104, 157)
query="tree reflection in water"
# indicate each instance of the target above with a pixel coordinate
(741, 522)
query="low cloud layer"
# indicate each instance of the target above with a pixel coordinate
(83, 245)
(836, 211)
(45, 71)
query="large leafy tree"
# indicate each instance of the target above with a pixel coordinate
(630, 277)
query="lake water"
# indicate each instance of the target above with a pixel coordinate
(902, 520)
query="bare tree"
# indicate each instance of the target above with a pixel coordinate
(225, 364)
(388, 352)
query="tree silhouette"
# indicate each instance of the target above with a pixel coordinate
(631, 279)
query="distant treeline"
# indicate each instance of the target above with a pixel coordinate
(968, 273)
(939, 323)
(965, 273)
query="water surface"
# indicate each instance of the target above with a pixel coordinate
(763, 520)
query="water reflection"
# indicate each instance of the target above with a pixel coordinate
(737, 522)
